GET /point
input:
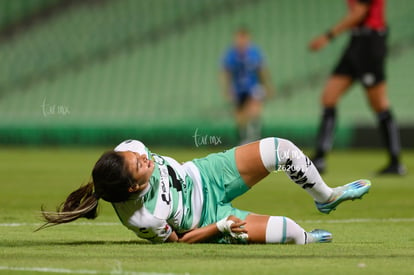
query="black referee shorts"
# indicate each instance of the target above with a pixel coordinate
(364, 58)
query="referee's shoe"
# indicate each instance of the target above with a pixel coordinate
(393, 169)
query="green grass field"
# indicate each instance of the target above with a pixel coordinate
(372, 236)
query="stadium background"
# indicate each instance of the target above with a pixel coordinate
(96, 72)
(81, 73)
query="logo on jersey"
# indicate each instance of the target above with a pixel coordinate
(167, 229)
(164, 185)
(158, 159)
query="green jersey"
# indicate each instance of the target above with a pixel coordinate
(172, 201)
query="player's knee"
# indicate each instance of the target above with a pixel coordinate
(255, 107)
(276, 151)
(329, 98)
(267, 147)
(287, 150)
(286, 144)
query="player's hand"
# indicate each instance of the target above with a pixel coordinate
(318, 43)
(232, 225)
(238, 225)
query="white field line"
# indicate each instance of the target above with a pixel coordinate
(17, 224)
(49, 270)
(388, 220)
(79, 271)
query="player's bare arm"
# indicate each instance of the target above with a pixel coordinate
(203, 234)
(352, 19)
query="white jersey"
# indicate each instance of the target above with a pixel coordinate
(173, 200)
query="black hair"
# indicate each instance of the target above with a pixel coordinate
(110, 181)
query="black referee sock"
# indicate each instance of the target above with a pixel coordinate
(390, 134)
(325, 134)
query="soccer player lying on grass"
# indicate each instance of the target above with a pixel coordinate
(164, 201)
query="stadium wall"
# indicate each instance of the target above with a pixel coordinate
(96, 74)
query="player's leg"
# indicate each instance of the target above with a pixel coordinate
(378, 99)
(249, 163)
(241, 116)
(282, 230)
(335, 87)
(248, 114)
(254, 161)
(253, 112)
(241, 123)
(377, 96)
(371, 73)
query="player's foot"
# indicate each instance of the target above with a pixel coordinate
(319, 236)
(393, 169)
(350, 191)
(319, 164)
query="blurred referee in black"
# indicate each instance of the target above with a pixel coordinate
(362, 61)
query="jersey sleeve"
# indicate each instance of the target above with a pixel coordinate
(133, 146)
(138, 219)
(157, 231)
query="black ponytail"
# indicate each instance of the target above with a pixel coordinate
(81, 203)
(110, 181)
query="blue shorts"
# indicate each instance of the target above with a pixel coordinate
(241, 97)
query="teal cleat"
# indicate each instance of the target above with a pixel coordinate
(350, 191)
(319, 236)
